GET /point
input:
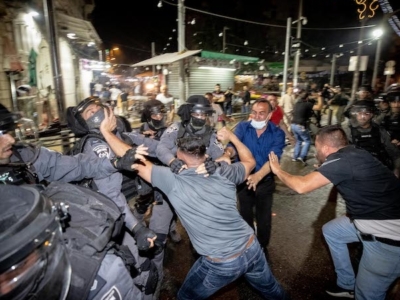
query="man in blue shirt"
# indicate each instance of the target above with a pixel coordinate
(261, 137)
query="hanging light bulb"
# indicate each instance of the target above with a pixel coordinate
(193, 21)
(220, 34)
(159, 4)
(246, 43)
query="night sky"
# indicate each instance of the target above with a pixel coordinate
(133, 25)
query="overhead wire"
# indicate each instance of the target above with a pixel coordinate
(263, 24)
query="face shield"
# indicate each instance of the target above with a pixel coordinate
(157, 117)
(361, 115)
(199, 115)
(85, 111)
(33, 260)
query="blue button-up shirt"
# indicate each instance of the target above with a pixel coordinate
(272, 139)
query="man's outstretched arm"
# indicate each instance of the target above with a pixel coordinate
(300, 184)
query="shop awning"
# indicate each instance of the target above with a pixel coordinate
(167, 58)
(83, 30)
(224, 56)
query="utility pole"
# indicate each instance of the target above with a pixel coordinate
(376, 62)
(333, 70)
(356, 76)
(287, 50)
(181, 48)
(49, 15)
(153, 53)
(298, 37)
(224, 39)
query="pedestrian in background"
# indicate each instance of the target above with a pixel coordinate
(246, 97)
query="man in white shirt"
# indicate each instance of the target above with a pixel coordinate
(168, 101)
(114, 95)
(287, 103)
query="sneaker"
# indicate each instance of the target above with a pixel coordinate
(337, 291)
(294, 159)
(302, 161)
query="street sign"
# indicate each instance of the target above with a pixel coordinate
(363, 63)
(388, 71)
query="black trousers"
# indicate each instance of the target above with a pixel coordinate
(261, 199)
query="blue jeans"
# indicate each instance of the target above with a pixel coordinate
(245, 109)
(228, 108)
(379, 266)
(206, 277)
(303, 141)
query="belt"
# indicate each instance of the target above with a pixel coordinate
(369, 237)
(248, 244)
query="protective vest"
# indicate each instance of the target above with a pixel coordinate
(129, 184)
(392, 125)
(92, 223)
(371, 141)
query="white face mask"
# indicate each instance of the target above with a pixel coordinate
(258, 124)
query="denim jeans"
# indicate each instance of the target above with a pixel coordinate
(206, 277)
(228, 108)
(303, 141)
(379, 266)
(245, 109)
(261, 199)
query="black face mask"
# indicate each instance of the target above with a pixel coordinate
(95, 120)
(157, 124)
(197, 123)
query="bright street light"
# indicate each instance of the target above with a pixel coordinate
(377, 33)
(116, 49)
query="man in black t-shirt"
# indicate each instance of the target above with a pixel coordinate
(302, 111)
(371, 192)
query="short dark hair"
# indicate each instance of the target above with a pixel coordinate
(208, 94)
(192, 145)
(263, 101)
(333, 135)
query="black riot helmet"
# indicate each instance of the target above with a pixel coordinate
(200, 104)
(7, 120)
(363, 106)
(393, 92)
(33, 259)
(154, 107)
(200, 108)
(75, 121)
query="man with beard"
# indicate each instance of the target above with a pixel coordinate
(371, 193)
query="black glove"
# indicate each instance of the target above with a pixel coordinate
(176, 165)
(141, 235)
(211, 165)
(125, 162)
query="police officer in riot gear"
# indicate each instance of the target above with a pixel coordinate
(194, 116)
(366, 134)
(22, 163)
(391, 122)
(85, 118)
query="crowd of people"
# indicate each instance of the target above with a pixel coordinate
(181, 170)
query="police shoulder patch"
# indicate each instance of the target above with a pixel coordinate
(102, 151)
(172, 128)
(112, 294)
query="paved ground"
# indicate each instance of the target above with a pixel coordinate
(299, 257)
